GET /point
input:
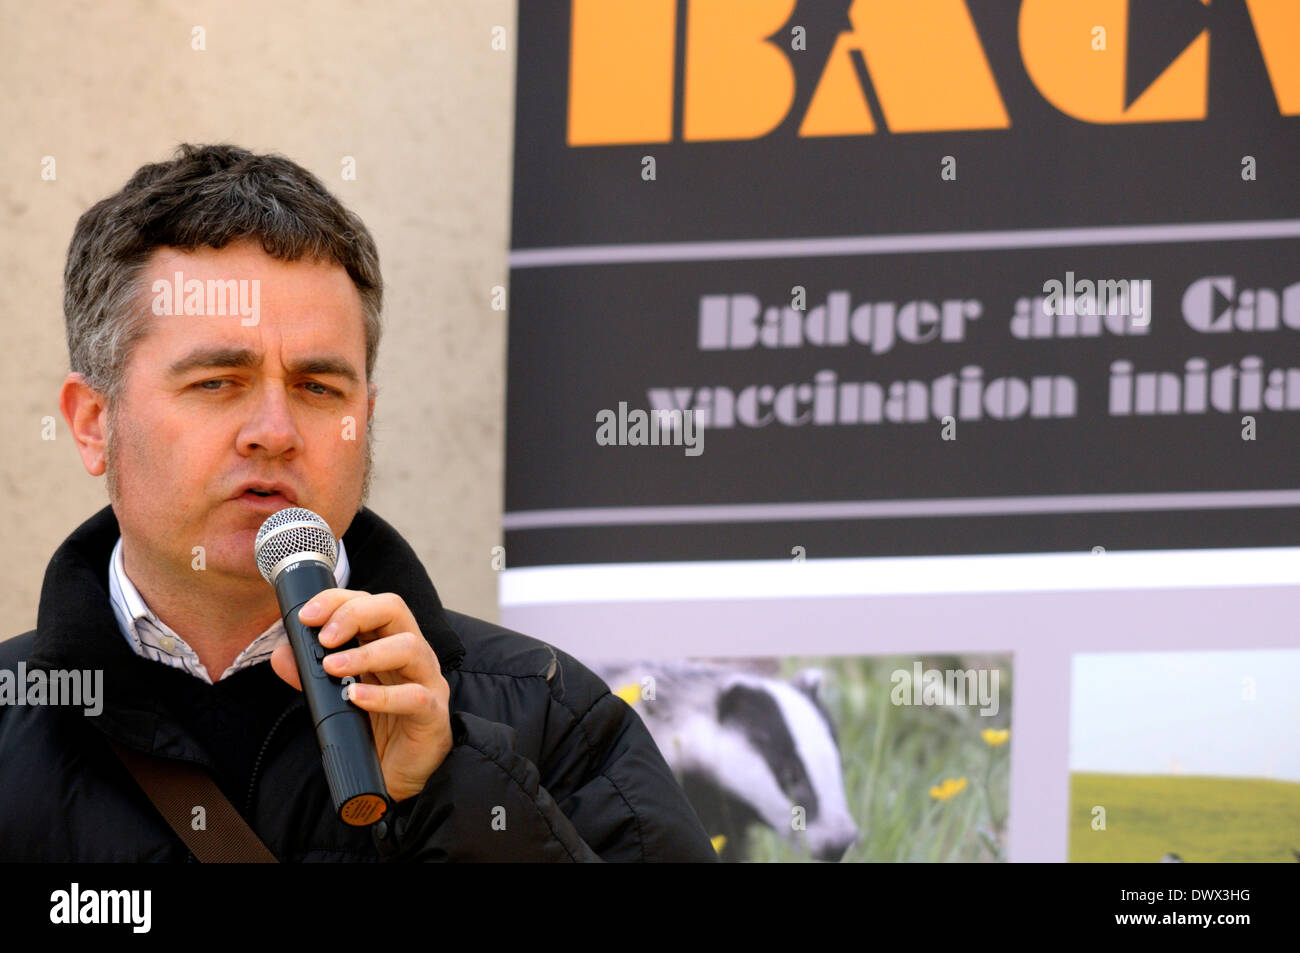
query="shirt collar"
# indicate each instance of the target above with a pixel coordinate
(151, 638)
(76, 627)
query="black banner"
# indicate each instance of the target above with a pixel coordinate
(1003, 328)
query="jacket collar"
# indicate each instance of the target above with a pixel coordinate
(76, 627)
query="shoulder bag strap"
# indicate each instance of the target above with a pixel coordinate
(176, 788)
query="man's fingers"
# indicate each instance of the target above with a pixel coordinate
(357, 612)
(409, 698)
(405, 654)
(322, 605)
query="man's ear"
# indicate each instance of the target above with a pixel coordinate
(86, 412)
(373, 390)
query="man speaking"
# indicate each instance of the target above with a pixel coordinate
(223, 321)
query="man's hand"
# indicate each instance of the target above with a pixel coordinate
(401, 683)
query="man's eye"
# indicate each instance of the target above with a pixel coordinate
(323, 392)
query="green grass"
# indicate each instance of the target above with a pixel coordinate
(892, 755)
(1198, 818)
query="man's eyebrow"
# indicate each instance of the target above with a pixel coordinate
(246, 357)
(325, 364)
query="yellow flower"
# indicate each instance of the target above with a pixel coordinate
(949, 787)
(630, 693)
(995, 736)
(719, 842)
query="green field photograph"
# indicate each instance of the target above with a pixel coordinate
(1190, 757)
(1184, 818)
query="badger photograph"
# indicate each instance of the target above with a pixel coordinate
(856, 758)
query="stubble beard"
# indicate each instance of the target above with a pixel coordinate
(110, 459)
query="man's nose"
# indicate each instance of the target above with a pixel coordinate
(271, 427)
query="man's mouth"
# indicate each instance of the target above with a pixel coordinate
(264, 499)
(268, 491)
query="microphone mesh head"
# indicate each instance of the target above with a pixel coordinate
(291, 531)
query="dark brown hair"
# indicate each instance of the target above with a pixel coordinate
(206, 196)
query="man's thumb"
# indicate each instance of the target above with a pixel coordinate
(282, 664)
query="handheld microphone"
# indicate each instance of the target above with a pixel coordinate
(296, 553)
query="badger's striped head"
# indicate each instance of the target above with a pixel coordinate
(776, 750)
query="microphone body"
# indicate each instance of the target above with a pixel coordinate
(347, 744)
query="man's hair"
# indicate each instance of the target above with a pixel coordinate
(205, 196)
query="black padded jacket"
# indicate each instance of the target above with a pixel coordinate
(547, 764)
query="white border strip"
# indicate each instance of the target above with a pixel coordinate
(895, 509)
(611, 254)
(783, 578)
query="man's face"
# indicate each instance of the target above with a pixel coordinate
(184, 440)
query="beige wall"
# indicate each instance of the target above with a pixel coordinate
(414, 91)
